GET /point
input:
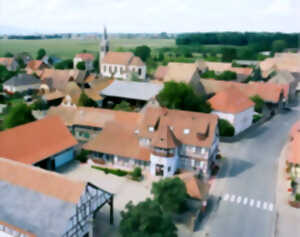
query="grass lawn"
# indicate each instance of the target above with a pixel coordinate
(67, 48)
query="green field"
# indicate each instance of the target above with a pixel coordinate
(67, 48)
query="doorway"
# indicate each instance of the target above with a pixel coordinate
(159, 170)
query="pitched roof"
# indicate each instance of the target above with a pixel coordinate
(22, 80)
(36, 141)
(218, 66)
(247, 71)
(160, 73)
(195, 187)
(85, 56)
(132, 90)
(94, 117)
(16, 229)
(34, 64)
(269, 92)
(283, 77)
(164, 137)
(180, 72)
(230, 100)
(6, 61)
(190, 128)
(136, 61)
(120, 58)
(42, 181)
(54, 95)
(126, 145)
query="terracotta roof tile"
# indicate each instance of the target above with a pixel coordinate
(85, 56)
(35, 65)
(180, 72)
(137, 61)
(6, 61)
(160, 73)
(230, 100)
(120, 58)
(36, 141)
(164, 137)
(42, 181)
(218, 66)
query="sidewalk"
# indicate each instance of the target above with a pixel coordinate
(288, 218)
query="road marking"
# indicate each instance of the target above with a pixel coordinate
(232, 198)
(251, 202)
(239, 199)
(258, 204)
(226, 197)
(270, 207)
(245, 201)
(265, 205)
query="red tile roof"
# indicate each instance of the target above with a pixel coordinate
(35, 65)
(42, 181)
(247, 71)
(230, 100)
(136, 61)
(120, 58)
(164, 137)
(85, 56)
(160, 73)
(6, 61)
(36, 141)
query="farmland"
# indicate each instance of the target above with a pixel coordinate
(67, 48)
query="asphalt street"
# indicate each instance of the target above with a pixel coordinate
(246, 185)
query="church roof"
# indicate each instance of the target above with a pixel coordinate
(120, 58)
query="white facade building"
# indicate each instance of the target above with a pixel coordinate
(87, 58)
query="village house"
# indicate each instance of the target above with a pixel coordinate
(286, 78)
(24, 56)
(235, 107)
(119, 65)
(162, 142)
(85, 123)
(21, 83)
(10, 63)
(87, 58)
(46, 143)
(36, 202)
(136, 93)
(35, 66)
(285, 61)
(275, 96)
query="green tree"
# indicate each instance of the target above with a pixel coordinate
(65, 64)
(80, 66)
(225, 128)
(8, 55)
(259, 103)
(279, 46)
(181, 96)
(123, 106)
(161, 57)
(136, 173)
(17, 115)
(20, 62)
(170, 193)
(227, 76)
(143, 52)
(96, 64)
(40, 104)
(84, 100)
(209, 74)
(41, 53)
(146, 219)
(228, 54)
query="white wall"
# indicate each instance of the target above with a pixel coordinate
(239, 121)
(172, 162)
(120, 72)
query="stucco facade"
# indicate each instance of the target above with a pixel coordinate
(122, 71)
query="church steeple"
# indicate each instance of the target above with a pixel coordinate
(104, 47)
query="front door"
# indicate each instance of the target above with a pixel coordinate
(159, 170)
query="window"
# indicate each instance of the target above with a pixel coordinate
(104, 68)
(186, 131)
(169, 168)
(151, 129)
(140, 72)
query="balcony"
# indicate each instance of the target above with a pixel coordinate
(163, 153)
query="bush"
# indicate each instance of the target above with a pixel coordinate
(297, 197)
(117, 172)
(82, 156)
(40, 105)
(225, 128)
(80, 66)
(259, 103)
(136, 174)
(256, 117)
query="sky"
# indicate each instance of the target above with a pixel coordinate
(151, 16)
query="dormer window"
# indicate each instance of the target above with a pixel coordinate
(137, 131)
(186, 131)
(151, 129)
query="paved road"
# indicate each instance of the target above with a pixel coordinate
(250, 173)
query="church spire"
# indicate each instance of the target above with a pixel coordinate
(104, 47)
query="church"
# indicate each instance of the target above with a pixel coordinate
(119, 65)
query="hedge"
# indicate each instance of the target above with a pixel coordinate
(117, 172)
(225, 128)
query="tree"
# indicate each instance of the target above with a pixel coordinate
(21, 63)
(170, 193)
(181, 96)
(209, 74)
(225, 128)
(80, 66)
(18, 115)
(161, 57)
(278, 46)
(257, 76)
(84, 100)
(228, 54)
(227, 76)
(259, 103)
(8, 55)
(40, 104)
(123, 106)
(96, 64)
(65, 64)
(146, 219)
(41, 53)
(143, 52)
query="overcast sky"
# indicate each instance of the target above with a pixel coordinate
(149, 15)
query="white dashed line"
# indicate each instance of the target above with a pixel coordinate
(245, 201)
(258, 204)
(232, 198)
(239, 199)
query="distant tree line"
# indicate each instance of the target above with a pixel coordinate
(35, 37)
(265, 40)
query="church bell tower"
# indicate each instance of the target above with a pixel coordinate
(104, 47)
